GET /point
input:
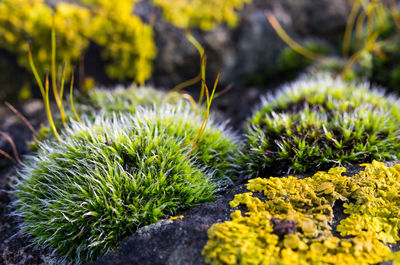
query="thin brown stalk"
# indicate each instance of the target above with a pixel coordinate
(71, 95)
(288, 40)
(395, 13)
(223, 91)
(209, 99)
(8, 157)
(187, 83)
(190, 99)
(13, 147)
(25, 120)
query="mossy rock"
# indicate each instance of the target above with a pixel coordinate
(293, 221)
(181, 241)
(316, 123)
(108, 177)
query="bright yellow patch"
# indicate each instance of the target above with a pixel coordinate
(176, 217)
(204, 14)
(126, 42)
(372, 202)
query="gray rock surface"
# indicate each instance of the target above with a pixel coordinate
(181, 241)
(175, 242)
(246, 49)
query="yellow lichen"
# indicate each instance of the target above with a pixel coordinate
(126, 42)
(201, 13)
(293, 224)
(173, 218)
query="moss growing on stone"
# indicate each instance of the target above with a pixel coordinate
(315, 123)
(293, 224)
(108, 177)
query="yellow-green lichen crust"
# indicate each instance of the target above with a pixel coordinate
(126, 43)
(203, 14)
(371, 203)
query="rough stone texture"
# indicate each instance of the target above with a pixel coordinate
(246, 49)
(15, 248)
(33, 111)
(180, 242)
(175, 242)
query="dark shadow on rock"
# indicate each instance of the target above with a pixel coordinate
(175, 242)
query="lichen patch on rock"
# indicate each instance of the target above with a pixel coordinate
(293, 224)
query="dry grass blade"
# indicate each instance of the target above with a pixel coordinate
(53, 73)
(201, 51)
(71, 96)
(370, 45)
(13, 147)
(48, 109)
(63, 81)
(187, 83)
(288, 40)
(8, 157)
(360, 29)
(395, 13)
(223, 91)
(207, 114)
(190, 99)
(349, 27)
(25, 120)
(35, 73)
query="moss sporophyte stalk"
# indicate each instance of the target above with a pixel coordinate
(291, 223)
(110, 175)
(319, 122)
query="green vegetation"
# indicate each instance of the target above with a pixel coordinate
(318, 122)
(123, 100)
(108, 177)
(107, 103)
(371, 41)
(292, 223)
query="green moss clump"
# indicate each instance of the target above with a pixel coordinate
(292, 223)
(110, 102)
(124, 100)
(315, 123)
(108, 177)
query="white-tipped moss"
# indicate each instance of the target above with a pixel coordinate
(109, 176)
(109, 102)
(125, 100)
(316, 123)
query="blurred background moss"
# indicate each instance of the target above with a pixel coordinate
(121, 41)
